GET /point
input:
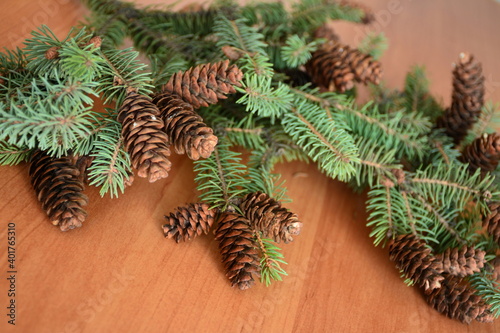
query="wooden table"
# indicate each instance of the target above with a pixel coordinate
(118, 273)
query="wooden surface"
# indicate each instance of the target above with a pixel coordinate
(118, 273)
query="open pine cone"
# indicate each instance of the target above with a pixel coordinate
(238, 249)
(483, 153)
(458, 300)
(185, 128)
(336, 67)
(143, 136)
(268, 217)
(189, 221)
(205, 84)
(461, 262)
(492, 221)
(467, 98)
(59, 186)
(415, 259)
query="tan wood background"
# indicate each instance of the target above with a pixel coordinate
(118, 273)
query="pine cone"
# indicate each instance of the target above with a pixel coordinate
(494, 269)
(52, 53)
(82, 163)
(59, 188)
(461, 262)
(185, 128)
(416, 260)
(492, 221)
(483, 153)
(336, 66)
(144, 138)
(467, 99)
(267, 216)
(205, 84)
(189, 221)
(457, 300)
(238, 249)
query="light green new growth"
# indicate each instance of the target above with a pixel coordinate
(271, 260)
(220, 177)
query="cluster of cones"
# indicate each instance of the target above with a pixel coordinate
(149, 128)
(467, 101)
(442, 277)
(237, 230)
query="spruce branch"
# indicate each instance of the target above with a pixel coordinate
(488, 289)
(220, 178)
(325, 140)
(122, 72)
(12, 154)
(111, 168)
(271, 260)
(308, 15)
(264, 100)
(248, 41)
(297, 51)
(488, 120)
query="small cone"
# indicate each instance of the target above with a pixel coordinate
(238, 249)
(267, 216)
(457, 300)
(143, 136)
(336, 67)
(483, 153)
(185, 128)
(466, 101)
(416, 260)
(461, 262)
(492, 221)
(59, 188)
(187, 222)
(205, 84)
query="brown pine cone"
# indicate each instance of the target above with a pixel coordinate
(457, 300)
(185, 128)
(82, 163)
(336, 66)
(416, 260)
(238, 249)
(268, 217)
(494, 269)
(187, 222)
(59, 188)
(492, 221)
(143, 136)
(467, 99)
(483, 153)
(461, 262)
(205, 84)
(52, 53)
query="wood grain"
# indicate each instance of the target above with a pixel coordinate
(118, 273)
